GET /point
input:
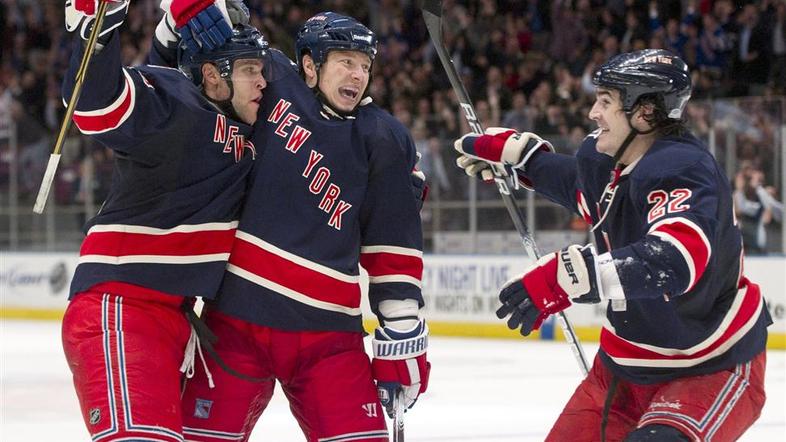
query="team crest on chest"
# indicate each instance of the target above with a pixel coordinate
(317, 176)
(234, 142)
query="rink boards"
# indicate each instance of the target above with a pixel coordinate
(460, 293)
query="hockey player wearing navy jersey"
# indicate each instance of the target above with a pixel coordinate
(164, 234)
(333, 190)
(682, 353)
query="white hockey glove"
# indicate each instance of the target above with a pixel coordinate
(80, 15)
(498, 146)
(548, 287)
(399, 364)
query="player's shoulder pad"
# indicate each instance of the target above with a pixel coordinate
(673, 157)
(380, 128)
(281, 61)
(588, 151)
(377, 121)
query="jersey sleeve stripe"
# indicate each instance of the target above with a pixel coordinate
(583, 208)
(392, 249)
(741, 317)
(299, 279)
(384, 264)
(103, 120)
(689, 240)
(394, 278)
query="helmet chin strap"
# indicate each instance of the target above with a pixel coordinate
(226, 105)
(631, 135)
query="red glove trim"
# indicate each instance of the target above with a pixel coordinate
(185, 10)
(541, 285)
(490, 147)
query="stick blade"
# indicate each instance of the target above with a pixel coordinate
(46, 183)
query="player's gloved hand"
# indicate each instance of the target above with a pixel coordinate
(400, 364)
(419, 185)
(237, 11)
(498, 146)
(80, 15)
(201, 24)
(549, 286)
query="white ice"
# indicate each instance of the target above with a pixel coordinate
(481, 390)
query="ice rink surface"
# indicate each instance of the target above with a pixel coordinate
(481, 391)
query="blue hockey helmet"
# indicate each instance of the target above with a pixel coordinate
(647, 72)
(329, 31)
(246, 42)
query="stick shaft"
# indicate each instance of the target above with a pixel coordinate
(54, 158)
(432, 14)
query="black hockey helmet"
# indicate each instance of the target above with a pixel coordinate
(647, 72)
(329, 31)
(246, 42)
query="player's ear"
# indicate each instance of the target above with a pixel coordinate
(645, 114)
(309, 70)
(210, 74)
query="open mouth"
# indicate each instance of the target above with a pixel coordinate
(350, 93)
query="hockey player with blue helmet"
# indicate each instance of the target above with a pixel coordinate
(682, 351)
(331, 35)
(334, 170)
(163, 236)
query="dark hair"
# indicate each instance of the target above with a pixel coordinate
(659, 118)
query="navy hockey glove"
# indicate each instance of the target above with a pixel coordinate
(201, 24)
(400, 364)
(549, 286)
(80, 15)
(498, 146)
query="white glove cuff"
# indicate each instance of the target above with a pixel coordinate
(400, 308)
(609, 278)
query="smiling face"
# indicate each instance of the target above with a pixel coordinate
(343, 78)
(611, 119)
(248, 83)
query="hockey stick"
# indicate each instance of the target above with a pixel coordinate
(398, 417)
(432, 14)
(54, 157)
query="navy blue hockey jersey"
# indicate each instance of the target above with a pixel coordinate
(325, 196)
(668, 222)
(180, 173)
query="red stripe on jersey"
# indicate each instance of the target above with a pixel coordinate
(692, 242)
(117, 244)
(738, 320)
(302, 279)
(386, 263)
(583, 208)
(110, 117)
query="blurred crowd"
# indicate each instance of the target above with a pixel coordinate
(526, 63)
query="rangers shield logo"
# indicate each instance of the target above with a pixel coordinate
(202, 408)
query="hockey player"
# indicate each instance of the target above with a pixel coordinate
(682, 354)
(164, 234)
(333, 190)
